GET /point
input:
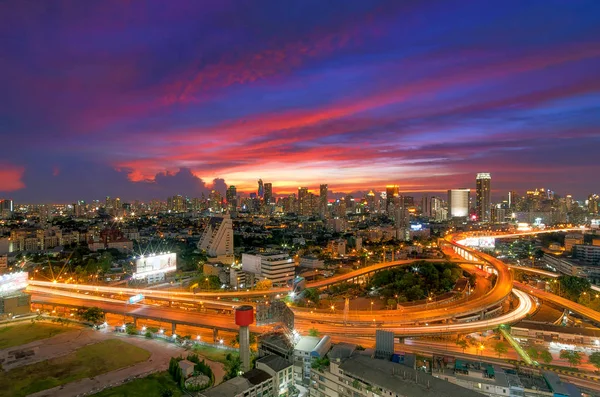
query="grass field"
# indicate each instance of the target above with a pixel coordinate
(212, 353)
(21, 334)
(87, 362)
(150, 386)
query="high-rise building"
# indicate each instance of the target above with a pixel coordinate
(217, 239)
(392, 192)
(268, 193)
(426, 206)
(458, 202)
(303, 201)
(512, 199)
(6, 209)
(261, 189)
(323, 191)
(231, 197)
(483, 205)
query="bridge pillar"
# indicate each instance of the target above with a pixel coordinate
(173, 328)
(135, 323)
(482, 315)
(215, 335)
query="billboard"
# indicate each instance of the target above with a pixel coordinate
(595, 224)
(13, 282)
(154, 264)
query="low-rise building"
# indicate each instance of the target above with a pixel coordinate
(280, 369)
(307, 349)
(312, 262)
(360, 375)
(254, 383)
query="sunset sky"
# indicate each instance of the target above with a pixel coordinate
(146, 99)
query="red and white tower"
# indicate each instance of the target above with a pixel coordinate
(244, 316)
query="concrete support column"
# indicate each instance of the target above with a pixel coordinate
(482, 315)
(215, 335)
(135, 323)
(245, 348)
(173, 328)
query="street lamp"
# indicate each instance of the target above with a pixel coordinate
(371, 307)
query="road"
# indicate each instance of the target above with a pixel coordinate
(226, 323)
(569, 304)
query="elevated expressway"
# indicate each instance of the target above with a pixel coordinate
(53, 294)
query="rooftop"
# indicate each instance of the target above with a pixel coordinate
(307, 343)
(238, 385)
(274, 362)
(396, 377)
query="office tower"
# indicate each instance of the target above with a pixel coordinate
(268, 193)
(323, 191)
(458, 202)
(231, 197)
(6, 209)
(215, 201)
(512, 199)
(371, 201)
(217, 239)
(483, 205)
(261, 189)
(426, 206)
(392, 192)
(303, 201)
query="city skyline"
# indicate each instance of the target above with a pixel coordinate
(113, 99)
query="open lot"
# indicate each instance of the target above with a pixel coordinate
(150, 386)
(212, 353)
(86, 362)
(21, 334)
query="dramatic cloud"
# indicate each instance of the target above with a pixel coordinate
(105, 98)
(11, 177)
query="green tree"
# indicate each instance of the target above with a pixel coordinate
(313, 332)
(573, 357)
(545, 356)
(93, 315)
(533, 353)
(166, 392)
(233, 365)
(594, 359)
(312, 294)
(500, 348)
(463, 344)
(573, 287)
(263, 285)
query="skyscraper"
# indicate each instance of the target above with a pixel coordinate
(231, 197)
(483, 205)
(323, 190)
(392, 192)
(268, 193)
(303, 201)
(261, 189)
(6, 209)
(458, 202)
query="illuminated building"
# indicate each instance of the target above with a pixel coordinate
(6, 209)
(483, 196)
(275, 266)
(458, 202)
(268, 193)
(261, 189)
(231, 197)
(592, 203)
(304, 202)
(217, 239)
(391, 193)
(323, 200)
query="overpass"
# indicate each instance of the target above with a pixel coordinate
(351, 276)
(218, 322)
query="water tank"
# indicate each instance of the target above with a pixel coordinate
(244, 315)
